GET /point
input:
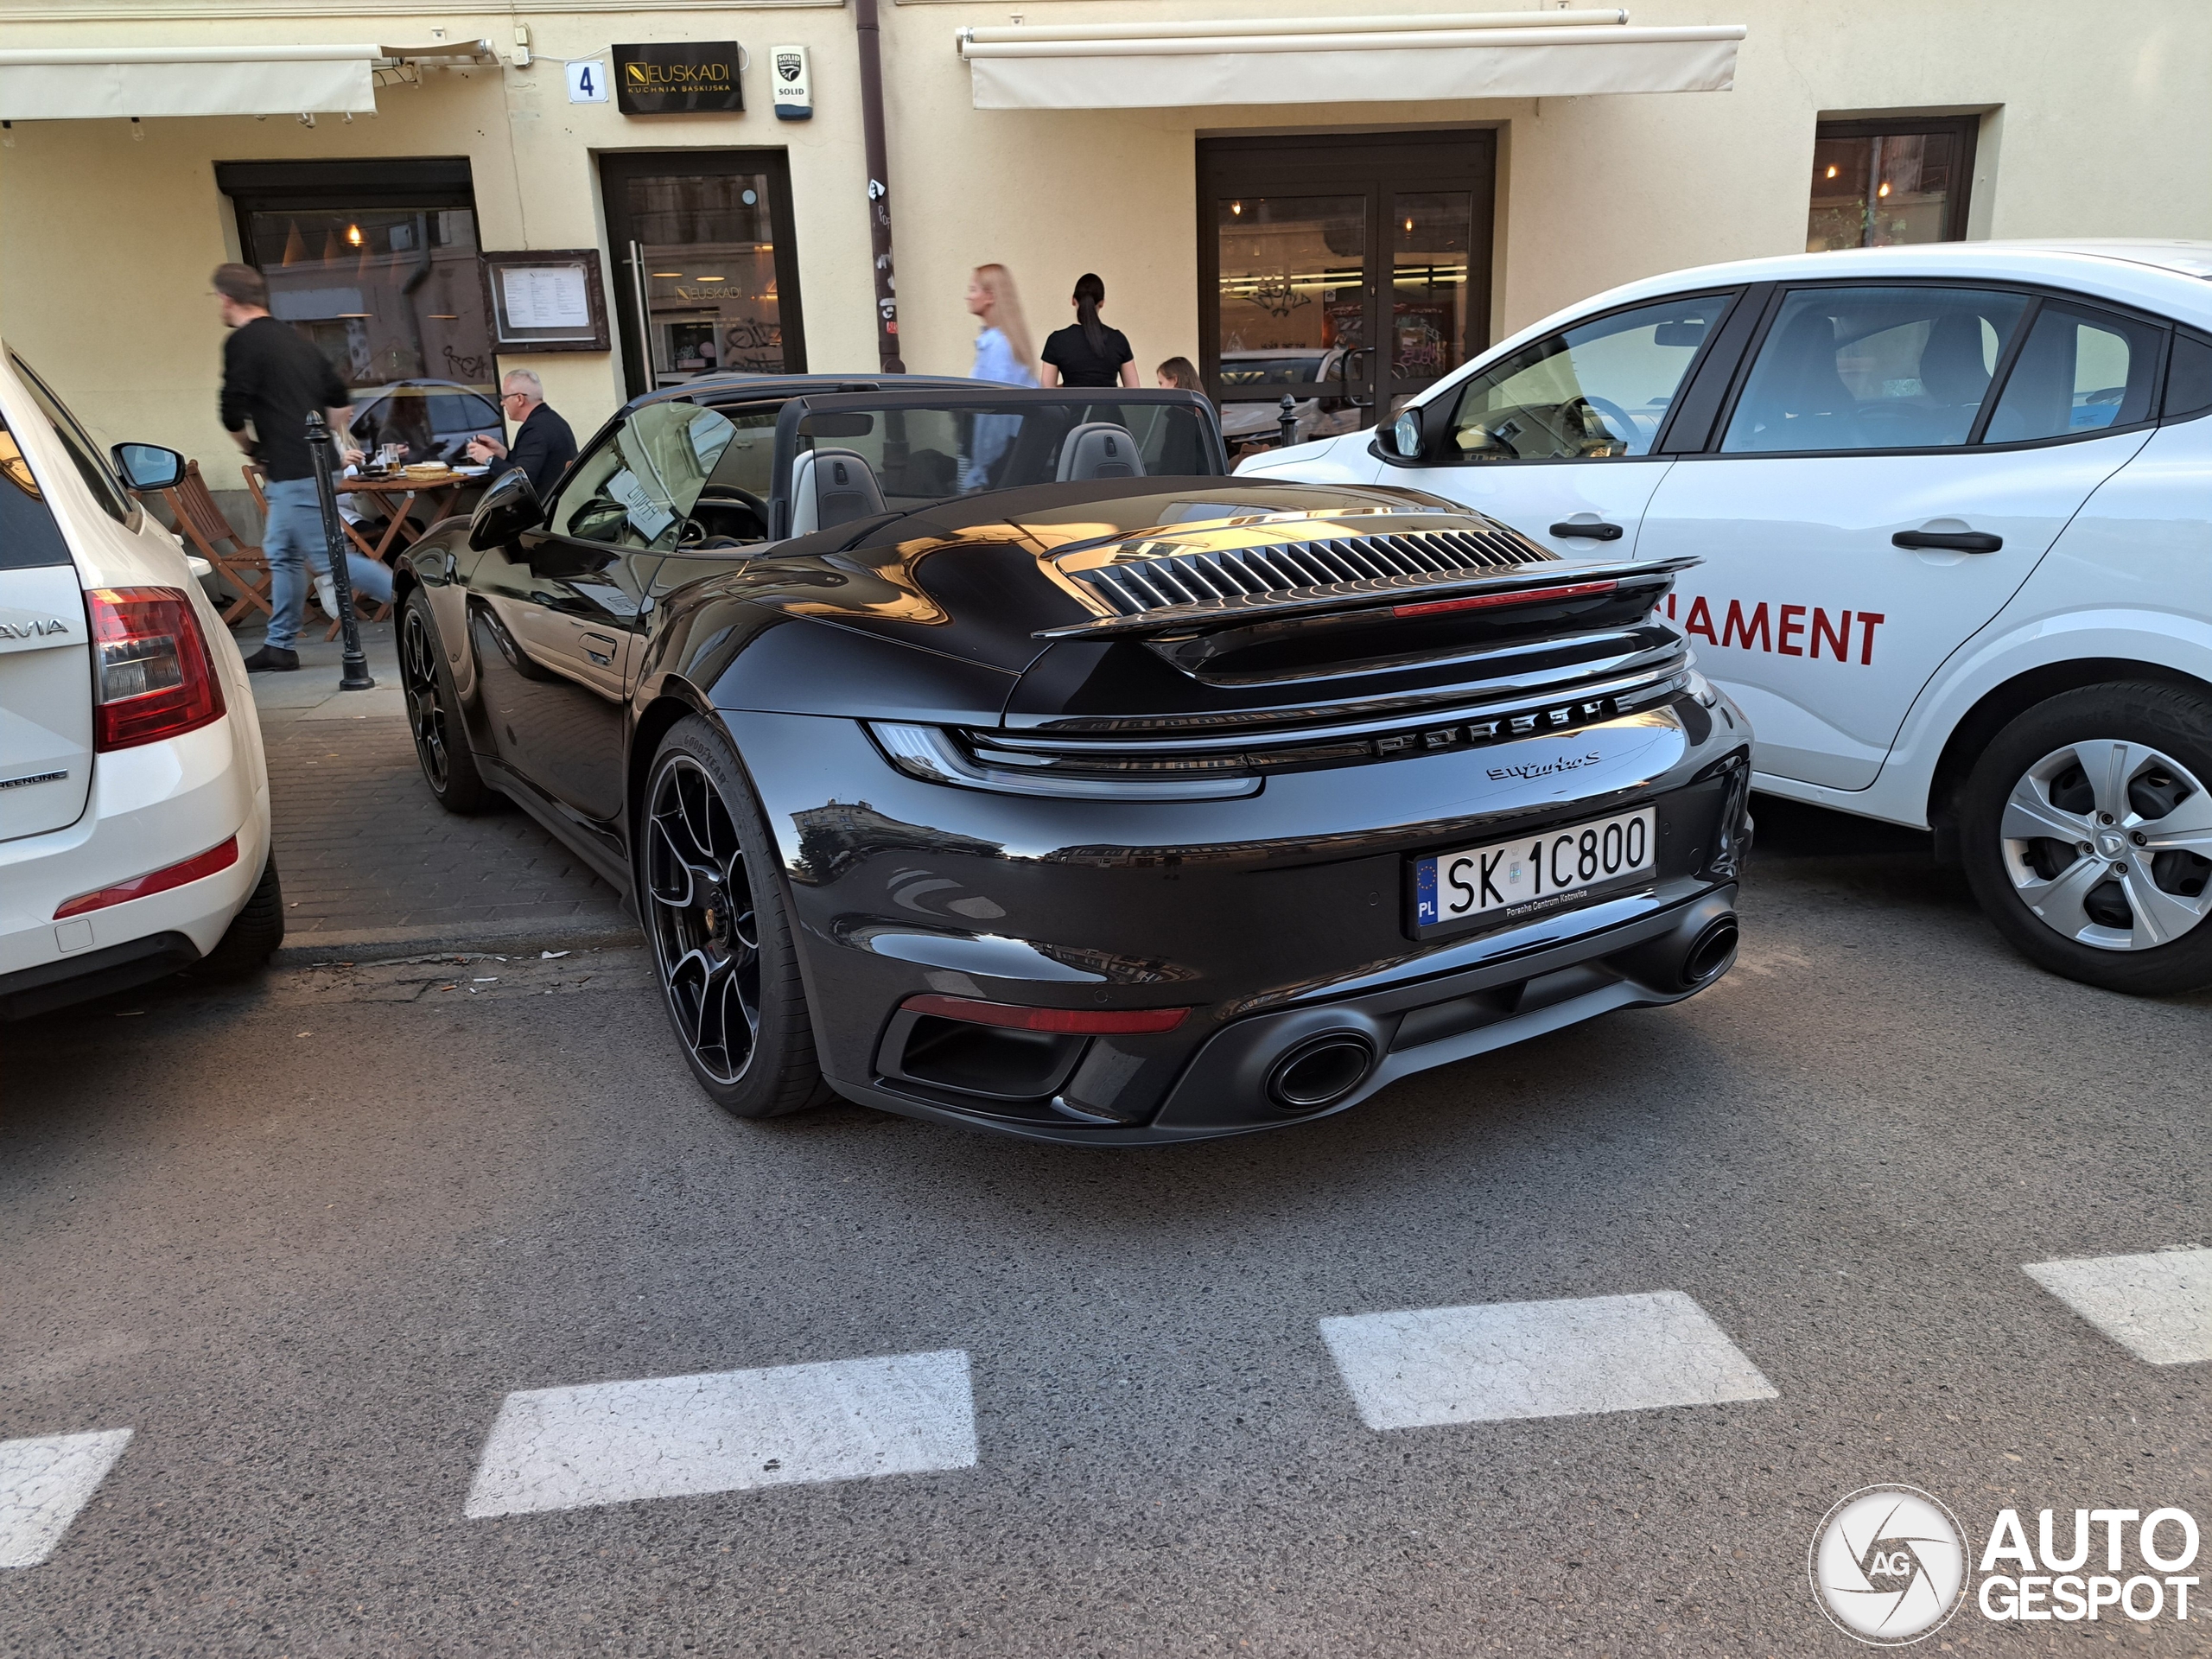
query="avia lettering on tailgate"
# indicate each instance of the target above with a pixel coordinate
(1789, 631)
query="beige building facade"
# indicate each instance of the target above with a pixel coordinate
(1234, 234)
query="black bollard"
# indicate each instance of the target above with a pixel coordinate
(1288, 422)
(355, 676)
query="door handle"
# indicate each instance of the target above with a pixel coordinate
(604, 659)
(1595, 532)
(1951, 541)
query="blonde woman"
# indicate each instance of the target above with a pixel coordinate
(1003, 349)
(1003, 353)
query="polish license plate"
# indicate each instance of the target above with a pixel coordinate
(1533, 872)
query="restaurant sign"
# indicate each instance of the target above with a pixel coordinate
(679, 78)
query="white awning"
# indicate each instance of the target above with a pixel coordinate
(61, 84)
(1341, 59)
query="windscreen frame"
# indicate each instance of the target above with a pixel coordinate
(982, 398)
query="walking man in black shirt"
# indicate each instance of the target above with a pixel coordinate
(271, 378)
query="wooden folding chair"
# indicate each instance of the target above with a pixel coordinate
(203, 525)
(256, 480)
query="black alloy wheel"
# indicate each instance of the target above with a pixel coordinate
(2087, 831)
(721, 939)
(433, 712)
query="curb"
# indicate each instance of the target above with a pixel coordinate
(552, 933)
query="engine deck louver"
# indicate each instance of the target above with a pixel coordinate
(1134, 587)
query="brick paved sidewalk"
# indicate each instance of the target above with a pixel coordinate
(369, 859)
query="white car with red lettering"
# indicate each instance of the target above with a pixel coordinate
(1955, 504)
(134, 795)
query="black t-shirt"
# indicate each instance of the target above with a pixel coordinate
(272, 377)
(1066, 350)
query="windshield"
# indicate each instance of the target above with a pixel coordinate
(907, 458)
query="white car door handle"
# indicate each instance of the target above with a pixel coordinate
(1595, 532)
(1952, 541)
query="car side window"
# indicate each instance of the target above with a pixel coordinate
(747, 468)
(2081, 371)
(2189, 378)
(1872, 368)
(107, 489)
(637, 489)
(1599, 391)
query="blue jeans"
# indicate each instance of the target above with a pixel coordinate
(292, 542)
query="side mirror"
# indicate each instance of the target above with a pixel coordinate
(1405, 436)
(147, 466)
(509, 507)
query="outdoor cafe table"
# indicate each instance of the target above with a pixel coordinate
(398, 494)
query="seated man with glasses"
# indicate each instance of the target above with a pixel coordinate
(544, 445)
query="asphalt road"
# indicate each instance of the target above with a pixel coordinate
(303, 1240)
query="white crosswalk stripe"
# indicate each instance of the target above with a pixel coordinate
(2158, 1306)
(725, 1432)
(1422, 1367)
(43, 1482)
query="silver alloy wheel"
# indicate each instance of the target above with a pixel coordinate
(2110, 844)
(705, 930)
(425, 713)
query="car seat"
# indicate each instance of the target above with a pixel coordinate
(1099, 449)
(1805, 387)
(1954, 375)
(831, 487)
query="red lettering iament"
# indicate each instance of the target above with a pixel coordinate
(1788, 627)
(1701, 619)
(1869, 620)
(1734, 627)
(1838, 637)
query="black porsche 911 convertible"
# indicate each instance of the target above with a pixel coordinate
(990, 755)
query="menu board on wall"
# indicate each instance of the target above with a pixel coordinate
(546, 302)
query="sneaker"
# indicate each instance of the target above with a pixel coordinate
(272, 659)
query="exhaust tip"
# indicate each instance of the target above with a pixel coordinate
(1320, 1072)
(1710, 953)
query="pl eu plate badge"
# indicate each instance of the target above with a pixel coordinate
(791, 79)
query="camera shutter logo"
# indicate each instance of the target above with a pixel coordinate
(1888, 1566)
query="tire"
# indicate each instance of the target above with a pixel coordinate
(713, 905)
(254, 935)
(2087, 832)
(434, 713)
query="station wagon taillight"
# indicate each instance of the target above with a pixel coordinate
(152, 677)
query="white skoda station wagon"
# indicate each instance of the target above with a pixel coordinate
(134, 796)
(1955, 506)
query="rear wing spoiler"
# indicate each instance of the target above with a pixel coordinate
(1405, 596)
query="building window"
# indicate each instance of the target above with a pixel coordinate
(1876, 184)
(374, 262)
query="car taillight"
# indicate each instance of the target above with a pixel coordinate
(153, 678)
(1518, 596)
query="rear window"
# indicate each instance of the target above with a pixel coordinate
(28, 534)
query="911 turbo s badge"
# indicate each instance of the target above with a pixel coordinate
(1545, 768)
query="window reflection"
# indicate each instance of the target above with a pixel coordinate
(1428, 284)
(1885, 190)
(708, 258)
(388, 294)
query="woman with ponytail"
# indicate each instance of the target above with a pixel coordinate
(1089, 353)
